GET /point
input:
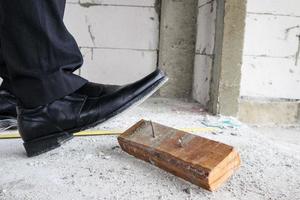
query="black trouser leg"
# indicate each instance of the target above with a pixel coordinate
(5, 85)
(39, 52)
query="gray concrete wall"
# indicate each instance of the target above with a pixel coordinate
(219, 54)
(177, 45)
(228, 58)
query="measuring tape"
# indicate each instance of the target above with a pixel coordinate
(16, 135)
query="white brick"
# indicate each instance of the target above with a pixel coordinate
(271, 35)
(72, 1)
(204, 46)
(283, 7)
(206, 28)
(202, 2)
(270, 78)
(202, 77)
(117, 66)
(120, 2)
(113, 26)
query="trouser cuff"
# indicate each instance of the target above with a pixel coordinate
(38, 92)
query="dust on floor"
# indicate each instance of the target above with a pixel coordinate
(96, 168)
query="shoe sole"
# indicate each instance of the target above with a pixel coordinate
(53, 141)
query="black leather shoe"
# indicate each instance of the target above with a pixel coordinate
(8, 113)
(47, 127)
(8, 102)
(97, 90)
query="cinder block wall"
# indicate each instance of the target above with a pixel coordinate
(270, 73)
(270, 84)
(118, 38)
(271, 61)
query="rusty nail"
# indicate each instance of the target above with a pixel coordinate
(180, 142)
(153, 133)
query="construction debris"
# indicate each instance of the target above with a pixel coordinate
(201, 161)
(221, 122)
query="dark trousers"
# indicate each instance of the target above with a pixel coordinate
(37, 53)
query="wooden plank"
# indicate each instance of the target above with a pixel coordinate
(201, 161)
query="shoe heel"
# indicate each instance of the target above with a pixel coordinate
(44, 144)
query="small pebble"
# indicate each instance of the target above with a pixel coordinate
(100, 154)
(115, 147)
(88, 156)
(126, 167)
(93, 140)
(111, 170)
(43, 163)
(106, 157)
(287, 165)
(187, 190)
(3, 191)
(30, 164)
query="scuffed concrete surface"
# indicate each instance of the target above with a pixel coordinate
(95, 168)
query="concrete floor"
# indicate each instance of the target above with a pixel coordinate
(95, 168)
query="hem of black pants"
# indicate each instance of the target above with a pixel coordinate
(5, 85)
(39, 92)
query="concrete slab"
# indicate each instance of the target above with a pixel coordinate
(95, 168)
(266, 112)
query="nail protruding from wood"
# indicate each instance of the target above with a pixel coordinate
(153, 133)
(180, 142)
